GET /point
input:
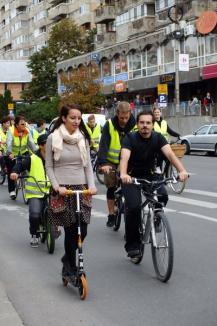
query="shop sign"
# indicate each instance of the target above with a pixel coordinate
(162, 89)
(108, 80)
(123, 76)
(207, 22)
(167, 79)
(184, 62)
(120, 86)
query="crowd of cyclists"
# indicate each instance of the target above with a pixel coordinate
(60, 160)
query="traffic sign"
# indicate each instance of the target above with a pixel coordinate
(10, 106)
(162, 100)
(162, 89)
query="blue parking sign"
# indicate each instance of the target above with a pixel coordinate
(162, 99)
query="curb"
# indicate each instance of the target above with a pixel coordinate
(8, 314)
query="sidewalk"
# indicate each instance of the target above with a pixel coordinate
(8, 315)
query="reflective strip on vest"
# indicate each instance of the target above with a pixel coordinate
(38, 172)
(3, 139)
(163, 129)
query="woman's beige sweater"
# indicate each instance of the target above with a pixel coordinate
(68, 170)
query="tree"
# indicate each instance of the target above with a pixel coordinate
(83, 88)
(44, 80)
(66, 40)
(4, 101)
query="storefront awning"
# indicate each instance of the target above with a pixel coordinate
(209, 72)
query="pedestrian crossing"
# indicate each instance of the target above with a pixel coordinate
(193, 202)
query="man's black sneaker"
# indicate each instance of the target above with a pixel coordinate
(132, 253)
(111, 221)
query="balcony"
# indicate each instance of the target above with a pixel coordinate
(104, 14)
(105, 39)
(59, 12)
(84, 19)
(140, 26)
(196, 8)
(21, 15)
(21, 3)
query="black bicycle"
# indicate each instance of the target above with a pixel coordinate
(20, 182)
(96, 167)
(155, 229)
(47, 231)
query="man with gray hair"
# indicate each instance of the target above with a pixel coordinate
(113, 133)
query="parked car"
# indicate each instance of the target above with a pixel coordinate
(203, 139)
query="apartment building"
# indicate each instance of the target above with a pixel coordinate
(135, 46)
(25, 24)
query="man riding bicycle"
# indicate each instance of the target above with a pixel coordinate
(138, 159)
(3, 138)
(94, 131)
(35, 165)
(113, 132)
(19, 141)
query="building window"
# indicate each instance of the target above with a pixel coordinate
(120, 63)
(211, 49)
(135, 64)
(106, 67)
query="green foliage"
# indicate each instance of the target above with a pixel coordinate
(90, 35)
(66, 40)
(4, 100)
(46, 110)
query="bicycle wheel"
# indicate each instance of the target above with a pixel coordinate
(99, 175)
(119, 210)
(17, 186)
(50, 238)
(162, 254)
(178, 186)
(2, 175)
(24, 191)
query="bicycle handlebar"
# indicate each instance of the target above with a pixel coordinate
(138, 181)
(74, 192)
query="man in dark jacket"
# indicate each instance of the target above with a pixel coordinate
(113, 133)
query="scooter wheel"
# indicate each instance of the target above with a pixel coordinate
(83, 287)
(65, 282)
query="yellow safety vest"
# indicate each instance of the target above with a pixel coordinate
(95, 135)
(113, 154)
(41, 132)
(38, 172)
(162, 130)
(3, 141)
(20, 144)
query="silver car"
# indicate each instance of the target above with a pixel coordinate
(203, 139)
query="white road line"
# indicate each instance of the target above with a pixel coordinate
(193, 202)
(201, 192)
(178, 199)
(203, 217)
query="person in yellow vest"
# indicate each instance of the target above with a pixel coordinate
(113, 133)
(94, 131)
(3, 134)
(161, 125)
(41, 127)
(19, 142)
(3, 139)
(35, 165)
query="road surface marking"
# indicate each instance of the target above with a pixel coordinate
(201, 192)
(203, 217)
(178, 199)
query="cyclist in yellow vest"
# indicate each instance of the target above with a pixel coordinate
(41, 127)
(113, 133)
(3, 139)
(35, 165)
(3, 134)
(161, 125)
(19, 142)
(94, 131)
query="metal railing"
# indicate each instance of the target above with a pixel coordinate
(185, 109)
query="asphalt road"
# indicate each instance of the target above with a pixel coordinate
(120, 293)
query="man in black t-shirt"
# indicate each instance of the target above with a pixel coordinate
(138, 157)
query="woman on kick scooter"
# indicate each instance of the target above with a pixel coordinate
(68, 166)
